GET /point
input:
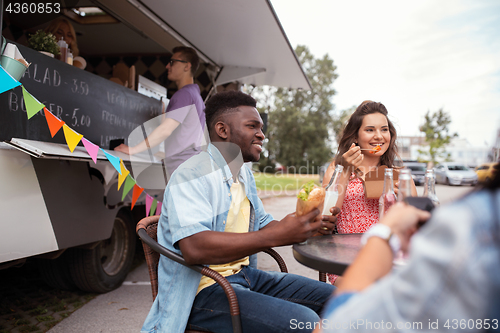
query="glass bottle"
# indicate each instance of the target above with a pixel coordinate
(63, 49)
(69, 60)
(332, 192)
(404, 184)
(388, 197)
(430, 187)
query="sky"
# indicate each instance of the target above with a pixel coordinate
(412, 56)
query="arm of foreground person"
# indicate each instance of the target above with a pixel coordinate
(375, 258)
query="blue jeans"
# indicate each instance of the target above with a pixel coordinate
(269, 302)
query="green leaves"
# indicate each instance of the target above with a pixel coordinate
(42, 41)
(437, 136)
(300, 122)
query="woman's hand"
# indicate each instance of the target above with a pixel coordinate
(353, 158)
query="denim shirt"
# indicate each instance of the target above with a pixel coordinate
(197, 198)
(451, 283)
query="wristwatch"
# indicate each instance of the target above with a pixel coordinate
(383, 231)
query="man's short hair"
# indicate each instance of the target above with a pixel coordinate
(189, 55)
(223, 103)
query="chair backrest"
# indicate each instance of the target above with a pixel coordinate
(152, 257)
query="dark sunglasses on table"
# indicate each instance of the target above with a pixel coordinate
(172, 61)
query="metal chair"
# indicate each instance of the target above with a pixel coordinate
(146, 230)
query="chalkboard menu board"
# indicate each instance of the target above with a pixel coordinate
(95, 107)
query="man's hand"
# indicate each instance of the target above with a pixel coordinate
(328, 222)
(123, 148)
(403, 220)
(295, 229)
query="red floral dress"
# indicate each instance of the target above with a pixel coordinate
(358, 213)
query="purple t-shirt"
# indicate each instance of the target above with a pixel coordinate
(186, 107)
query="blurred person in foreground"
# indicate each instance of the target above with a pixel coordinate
(451, 282)
(184, 120)
(211, 214)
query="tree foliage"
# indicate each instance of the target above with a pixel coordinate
(340, 120)
(437, 135)
(300, 121)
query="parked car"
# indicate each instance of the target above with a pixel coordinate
(417, 171)
(455, 174)
(486, 171)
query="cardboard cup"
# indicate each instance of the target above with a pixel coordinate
(374, 182)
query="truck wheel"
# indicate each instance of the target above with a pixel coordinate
(55, 272)
(106, 266)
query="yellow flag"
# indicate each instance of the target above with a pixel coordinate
(123, 175)
(72, 138)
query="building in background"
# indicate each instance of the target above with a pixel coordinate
(460, 150)
(406, 146)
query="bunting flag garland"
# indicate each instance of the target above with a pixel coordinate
(91, 148)
(32, 104)
(149, 201)
(115, 161)
(7, 82)
(54, 123)
(135, 194)
(129, 184)
(72, 138)
(122, 175)
(153, 207)
(158, 208)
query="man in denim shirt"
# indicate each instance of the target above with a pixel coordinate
(211, 215)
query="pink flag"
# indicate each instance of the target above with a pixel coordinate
(149, 201)
(92, 149)
(158, 208)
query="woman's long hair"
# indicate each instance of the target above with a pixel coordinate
(351, 130)
(54, 25)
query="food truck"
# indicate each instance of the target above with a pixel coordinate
(58, 206)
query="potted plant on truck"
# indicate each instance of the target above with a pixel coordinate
(44, 42)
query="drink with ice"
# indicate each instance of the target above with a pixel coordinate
(330, 201)
(331, 189)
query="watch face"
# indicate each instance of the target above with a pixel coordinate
(378, 230)
(384, 232)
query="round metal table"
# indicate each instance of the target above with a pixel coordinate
(330, 253)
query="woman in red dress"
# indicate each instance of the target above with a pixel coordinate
(368, 141)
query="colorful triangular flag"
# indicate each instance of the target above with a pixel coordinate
(149, 201)
(115, 161)
(135, 194)
(72, 138)
(129, 184)
(7, 82)
(153, 207)
(91, 148)
(54, 123)
(31, 103)
(158, 208)
(123, 174)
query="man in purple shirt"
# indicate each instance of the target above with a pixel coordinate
(184, 123)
